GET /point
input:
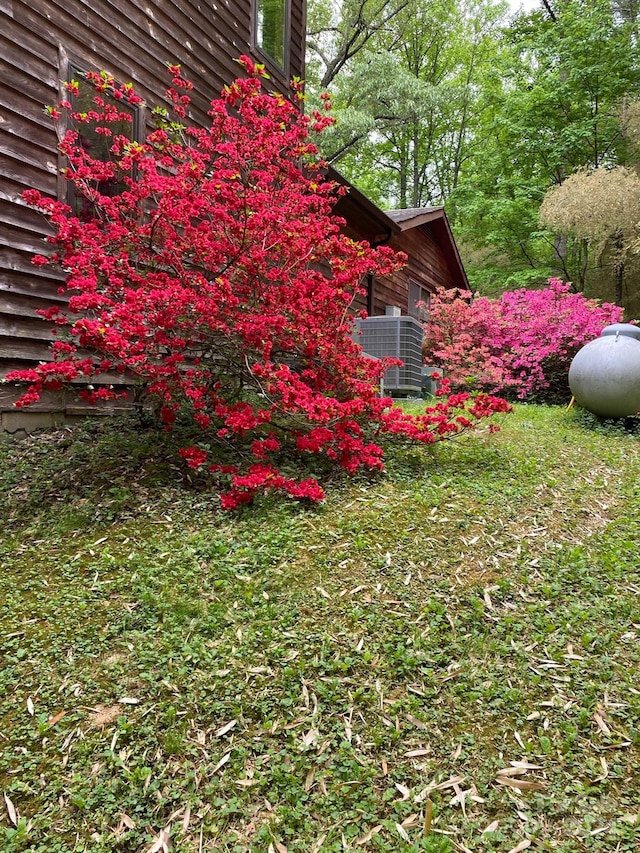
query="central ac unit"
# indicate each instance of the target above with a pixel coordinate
(395, 337)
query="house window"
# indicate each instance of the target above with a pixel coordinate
(419, 300)
(95, 144)
(271, 29)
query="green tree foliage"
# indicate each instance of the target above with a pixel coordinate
(446, 101)
(555, 110)
(408, 100)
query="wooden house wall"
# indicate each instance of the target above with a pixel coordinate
(426, 266)
(134, 42)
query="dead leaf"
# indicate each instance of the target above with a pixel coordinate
(125, 820)
(442, 786)
(30, 707)
(404, 791)
(186, 819)
(56, 718)
(129, 700)
(364, 839)
(522, 846)
(492, 827)
(161, 844)
(402, 832)
(11, 810)
(604, 728)
(308, 782)
(221, 763)
(417, 753)
(226, 728)
(605, 770)
(310, 737)
(520, 784)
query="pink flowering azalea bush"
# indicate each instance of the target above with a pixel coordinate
(217, 280)
(521, 344)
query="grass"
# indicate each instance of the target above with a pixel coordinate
(441, 659)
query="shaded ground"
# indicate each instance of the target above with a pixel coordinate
(444, 658)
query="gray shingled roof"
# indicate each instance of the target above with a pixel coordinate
(409, 213)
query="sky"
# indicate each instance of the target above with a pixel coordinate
(527, 5)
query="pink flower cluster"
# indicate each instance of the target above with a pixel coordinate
(521, 344)
(219, 281)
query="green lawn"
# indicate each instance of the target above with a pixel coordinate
(442, 658)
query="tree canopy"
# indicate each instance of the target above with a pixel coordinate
(469, 105)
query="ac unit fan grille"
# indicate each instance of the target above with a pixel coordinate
(395, 337)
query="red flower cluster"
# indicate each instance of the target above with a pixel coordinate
(219, 281)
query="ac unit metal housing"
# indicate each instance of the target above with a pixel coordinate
(395, 337)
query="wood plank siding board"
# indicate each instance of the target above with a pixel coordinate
(22, 239)
(18, 214)
(20, 173)
(39, 40)
(15, 283)
(21, 305)
(29, 328)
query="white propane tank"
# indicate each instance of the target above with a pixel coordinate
(604, 376)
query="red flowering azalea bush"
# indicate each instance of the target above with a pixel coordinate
(521, 344)
(216, 279)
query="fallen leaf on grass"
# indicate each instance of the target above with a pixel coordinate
(11, 810)
(310, 737)
(125, 823)
(308, 782)
(403, 790)
(161, 843)
(520, 784)
(520, 847)
(30, 707)
(437, 786)
(221, 763)
(402, 832)
(492, 827)
(604, 728)
(226, 728)
(129, 700)
(524, 765)
(605, 770)
(365, 839)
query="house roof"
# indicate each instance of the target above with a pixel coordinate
(380, 226)
(355, 206)
(414, 217)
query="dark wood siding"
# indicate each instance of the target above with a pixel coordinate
(427, 266)
(133, 41)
